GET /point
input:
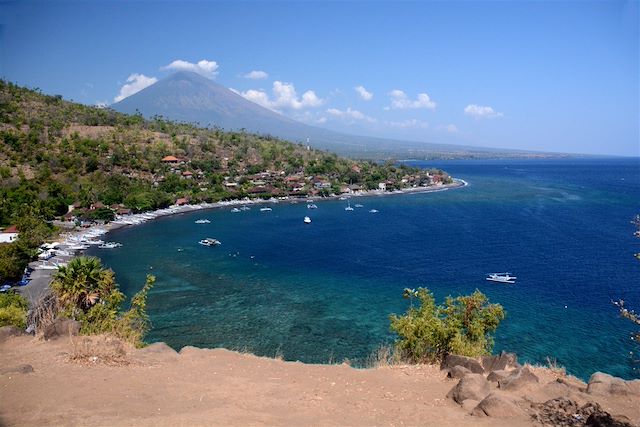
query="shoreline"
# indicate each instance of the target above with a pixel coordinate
(43, 270)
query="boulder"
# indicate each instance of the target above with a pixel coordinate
(500, 362)
(496, 376)
(472, 386)
(458, 372)
(9, 331)
(61, 327)
(19, 369)
(605, 384)
(454, 360)
(469, 404)
(518, 379)
(498, 405)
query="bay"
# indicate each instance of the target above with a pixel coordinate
(323, 292)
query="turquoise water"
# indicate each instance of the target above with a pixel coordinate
(323, 292)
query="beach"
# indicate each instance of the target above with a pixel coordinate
(43, 270)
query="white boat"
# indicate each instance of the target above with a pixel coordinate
(202, 221)
(210, 242)
(110, 245)
(358, 205)
(235, 210)
(348, 208)
(245, 208)
(307, 220)
(374, 211)
(266, 209)
(342, 198)
(501, 277)
(312, 206)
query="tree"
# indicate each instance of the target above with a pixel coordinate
(82, 284)
(462, 325)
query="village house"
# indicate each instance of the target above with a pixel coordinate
(9, 234)
(187, 175)
(170, 160)
(182, 201)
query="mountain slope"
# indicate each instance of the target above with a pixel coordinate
(187, 96)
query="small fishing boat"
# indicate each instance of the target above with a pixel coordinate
(202, 221)
(312, 206)
(210, 242)
(266, 209)
(307, 220)
(348, 208)
(374, 211)
(501, 277)
(245, 208)
(358, 205)
(234, 210)
(110, 245)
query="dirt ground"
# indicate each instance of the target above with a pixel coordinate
(102, 383)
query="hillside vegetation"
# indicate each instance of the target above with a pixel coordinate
(54, 153)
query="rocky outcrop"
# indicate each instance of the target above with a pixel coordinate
(518, 379)
(500, 375)
(472, 386)
(9, 331)
(458, 372)
(498, 405)
(605, 384)
(563, 412)
(61, 327)
(500, 362)
(454, 360)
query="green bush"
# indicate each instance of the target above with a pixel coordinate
(88, 293)
(462, 325)
(13, 310)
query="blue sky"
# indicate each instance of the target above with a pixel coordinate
(551, 76)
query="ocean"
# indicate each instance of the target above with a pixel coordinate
(323, 292)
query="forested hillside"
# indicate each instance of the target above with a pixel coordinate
(54, 153)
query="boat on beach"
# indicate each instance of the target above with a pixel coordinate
(501, 278)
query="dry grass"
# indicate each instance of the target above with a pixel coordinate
(384, 356)
(102, 349)
(43, 313)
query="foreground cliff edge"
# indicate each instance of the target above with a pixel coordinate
(79, 380)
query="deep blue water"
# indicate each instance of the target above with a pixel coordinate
(323, 292)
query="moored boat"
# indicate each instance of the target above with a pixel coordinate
(501, 277)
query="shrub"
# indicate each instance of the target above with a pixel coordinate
(88, 293)
(462, 325)
(13, 310)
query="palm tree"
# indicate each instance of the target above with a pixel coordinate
(83, 283)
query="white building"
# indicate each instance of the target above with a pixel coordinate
(9, 234)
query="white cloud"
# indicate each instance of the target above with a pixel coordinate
(451, 128)
(400, 101)
(257, 96)
(101, 104)
(410, 123)
(256, 75)
(350, 114)
(364, 94)
(203, 67)
(284, 97)
(321, 120)
(481, 112)
(135, 83)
